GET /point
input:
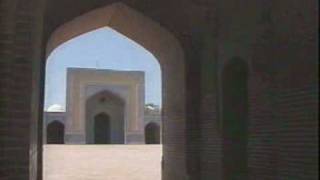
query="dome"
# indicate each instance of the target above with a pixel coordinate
(55, 108)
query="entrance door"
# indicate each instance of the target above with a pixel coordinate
(55, 133)
(152, 133)
(102, 129)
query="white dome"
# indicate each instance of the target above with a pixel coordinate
(55, 108)
(150, 107)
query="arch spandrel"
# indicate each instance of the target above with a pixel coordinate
(126, 21)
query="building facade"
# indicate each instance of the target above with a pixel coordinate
(152, 126)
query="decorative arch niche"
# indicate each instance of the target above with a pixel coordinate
(113, 111)
(167, 50)
(235, 119)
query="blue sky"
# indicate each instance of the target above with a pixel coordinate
(102, 49)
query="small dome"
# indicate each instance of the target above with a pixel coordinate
(55, 108)
(150, 107)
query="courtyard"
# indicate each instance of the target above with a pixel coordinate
(102, 162)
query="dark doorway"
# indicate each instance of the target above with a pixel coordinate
(235, 120)
(102, 129)
(55, 133)
(152, 133)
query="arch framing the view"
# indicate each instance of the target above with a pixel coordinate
(167, 50)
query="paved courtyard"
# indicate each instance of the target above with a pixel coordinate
(102, 162)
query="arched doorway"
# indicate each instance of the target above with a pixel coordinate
(55, 133)
(168, 51)
(235, 120)
(102, 129)
(152, 133)
(105, 114)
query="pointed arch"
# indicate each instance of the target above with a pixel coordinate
(167, 50)
(152, 133)
(55, 133)
(105, 125)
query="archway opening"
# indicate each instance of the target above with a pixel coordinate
(158, 43)
(104, 70)
(103, 100)
(235, 119)
(152, 133)
(102, 129)
(55, 133)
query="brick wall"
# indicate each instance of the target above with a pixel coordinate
(17, 75)
(211, 151)
(262, 160)
(297, 136)
(18, 39)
